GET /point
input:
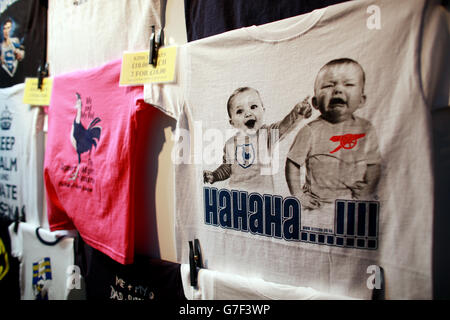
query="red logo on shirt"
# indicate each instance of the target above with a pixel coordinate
(346, 141)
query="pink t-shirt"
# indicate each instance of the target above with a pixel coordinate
(91, 148)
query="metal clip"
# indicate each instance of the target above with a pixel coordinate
(155, 43)
(41, 74)
(195, 261)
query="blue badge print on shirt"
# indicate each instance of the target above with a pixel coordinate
(83, 139)
(6, 119)
(42, 277)
(245, 155)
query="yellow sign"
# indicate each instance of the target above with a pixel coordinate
(137, 71)
(35, 96)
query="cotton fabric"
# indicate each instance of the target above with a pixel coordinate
(281, 60)
(86, 34)
(43, 266)
(22, 158)
(91, 156)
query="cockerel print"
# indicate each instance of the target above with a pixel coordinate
(83, 139)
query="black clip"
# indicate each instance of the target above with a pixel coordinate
(17, 219)
(156, 41)
(154, 46)
(41, 74)
(16, 226)
(195, 261)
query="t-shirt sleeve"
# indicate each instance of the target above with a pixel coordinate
(228, 156)
(434, 66)
(284, 126)
(16, 240)
(169, 97)
(301, 146)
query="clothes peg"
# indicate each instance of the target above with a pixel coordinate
(157, 41)
(17, 219)
(154, 46)
(41, 74)
(195, 260)
(16, 225)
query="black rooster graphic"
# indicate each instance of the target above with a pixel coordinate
(83, 139)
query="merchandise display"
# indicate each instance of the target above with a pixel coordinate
(23, 39)
(21, 158)
(237, 150)
(44, 260)
(345, 205)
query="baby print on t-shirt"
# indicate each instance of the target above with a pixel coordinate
(333, 200)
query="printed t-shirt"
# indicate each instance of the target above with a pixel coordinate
(21, 158)
(23, 39)
(89, 169)
(44, 261)
(269, 235)
(147, 279)
(86, 34)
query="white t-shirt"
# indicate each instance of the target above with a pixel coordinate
(269, 236)
(21, 157)
(86, 34)
(215, 285)
(43, 266)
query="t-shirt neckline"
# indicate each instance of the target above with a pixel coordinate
(286, 29)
